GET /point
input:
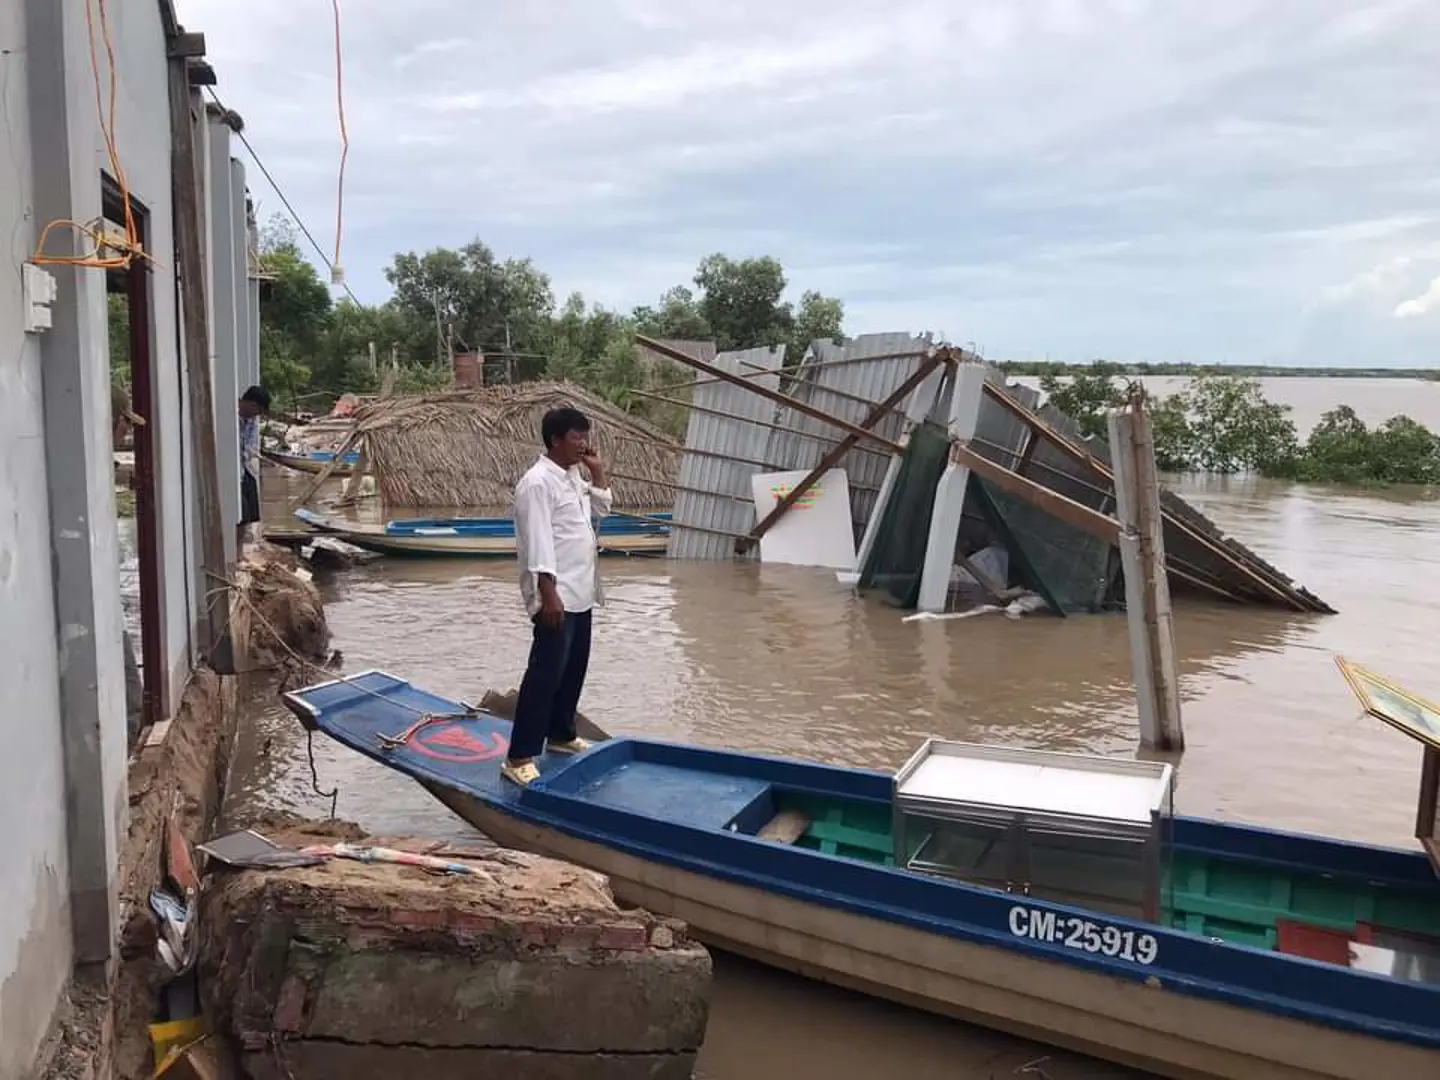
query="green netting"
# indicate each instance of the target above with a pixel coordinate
(898, 557)
(1074, 571)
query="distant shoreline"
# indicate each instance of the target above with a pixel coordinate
(1251, 371)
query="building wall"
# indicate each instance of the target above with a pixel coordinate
(63, 775)
(143, 139)
(34, 912)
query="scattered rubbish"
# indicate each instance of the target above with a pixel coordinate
(174, 942)
(178, 863)
(947, 616)
(367, 854)
(249, 850)
(172, 1036)
(204, 1059)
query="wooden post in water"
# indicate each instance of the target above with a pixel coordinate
(1147, 589)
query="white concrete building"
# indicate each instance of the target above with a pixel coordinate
(63, 769)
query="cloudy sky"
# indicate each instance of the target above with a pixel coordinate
(1226, 180)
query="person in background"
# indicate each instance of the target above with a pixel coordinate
(556, 514)
(254, 403)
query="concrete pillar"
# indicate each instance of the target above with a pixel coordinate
(252, 308)
(241, 269)
(80, 480)
(965, 401)
(219, 208)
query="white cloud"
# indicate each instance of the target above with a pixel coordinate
(1252, 180)
(1423, 304)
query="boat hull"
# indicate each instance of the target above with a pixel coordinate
(477, 538)
(1143, 1025)
(311, 465)
(682, 830)
(487, 546)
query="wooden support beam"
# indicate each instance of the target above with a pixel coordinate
(1052, 502)
(838, 451)
(1147, 589)
(801, 407)
(190, 265)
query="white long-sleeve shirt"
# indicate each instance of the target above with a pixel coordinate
(556, 514)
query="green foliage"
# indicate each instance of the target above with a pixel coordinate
(1229, 427)
(1224, 424)
(1087, 396)
(485, 304)
(678, 317)
(468, 299)
(740, 301)
(819, 317)
(1173, 435)
(1342, 449)
(414, 379)
(119, 338)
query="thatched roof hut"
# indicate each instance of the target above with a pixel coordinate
(466, 449)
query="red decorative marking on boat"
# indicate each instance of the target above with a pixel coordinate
(454, 742)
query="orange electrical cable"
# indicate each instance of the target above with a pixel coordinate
(344, 138)
(131, 245)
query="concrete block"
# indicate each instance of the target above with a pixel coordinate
(352, 968)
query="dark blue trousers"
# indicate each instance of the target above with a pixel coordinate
(550, 691)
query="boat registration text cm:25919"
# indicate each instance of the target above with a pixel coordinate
(1083, 935)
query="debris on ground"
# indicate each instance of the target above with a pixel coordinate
(288, 631)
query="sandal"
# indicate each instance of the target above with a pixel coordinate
(523, 775)
(576, 745)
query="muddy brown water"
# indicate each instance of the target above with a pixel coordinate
(786, 661)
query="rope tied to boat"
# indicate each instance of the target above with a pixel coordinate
(395, 742)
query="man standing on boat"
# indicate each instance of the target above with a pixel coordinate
(556, 515)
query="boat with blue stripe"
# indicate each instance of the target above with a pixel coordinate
(1054, 896)
(641, 533)
(314, 461)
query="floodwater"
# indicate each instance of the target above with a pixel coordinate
(787, 661)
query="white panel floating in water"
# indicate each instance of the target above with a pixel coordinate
(816, 531)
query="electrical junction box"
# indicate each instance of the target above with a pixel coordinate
(38, 292)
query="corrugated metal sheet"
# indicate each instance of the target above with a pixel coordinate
(741, 433)
(846, 381)
(720, 456)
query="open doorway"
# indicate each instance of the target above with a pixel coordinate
(134, 442)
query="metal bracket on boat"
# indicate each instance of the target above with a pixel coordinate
(395, 742)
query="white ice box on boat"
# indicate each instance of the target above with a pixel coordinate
(1071, 828)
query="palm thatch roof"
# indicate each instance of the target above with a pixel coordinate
(466, 449)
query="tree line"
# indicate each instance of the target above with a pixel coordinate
(447, 301)
(1223, 423)
(451, 300)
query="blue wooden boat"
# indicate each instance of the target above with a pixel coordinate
(314, 461)
(618, 534)
(1252, 953)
